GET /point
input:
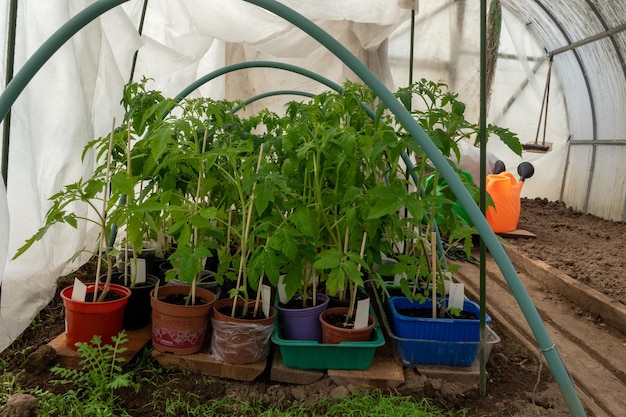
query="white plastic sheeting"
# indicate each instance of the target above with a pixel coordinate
(593, 77)
(448, 51)
(75, 96)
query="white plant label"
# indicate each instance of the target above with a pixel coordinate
(457, 295)
(266, 297)
(362, 314)
(398, 277)
(79, 291)
(282, 294)
(140, 277)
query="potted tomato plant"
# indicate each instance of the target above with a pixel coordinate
(431, 324)
(97, 308)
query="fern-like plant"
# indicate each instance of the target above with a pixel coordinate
(93, 388)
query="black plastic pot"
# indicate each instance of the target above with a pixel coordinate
(138, 309)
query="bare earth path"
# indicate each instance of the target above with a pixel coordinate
(577, 286)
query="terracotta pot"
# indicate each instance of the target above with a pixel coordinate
(240, 341)
(334, 335)
(179, 329)
(84, 319)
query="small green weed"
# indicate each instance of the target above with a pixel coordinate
(93, 388)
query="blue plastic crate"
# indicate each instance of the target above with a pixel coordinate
(440, 341)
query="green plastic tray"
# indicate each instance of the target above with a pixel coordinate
(304, 354)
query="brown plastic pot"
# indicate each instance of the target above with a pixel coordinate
(240, 340)
(180, 329)
(335, 335)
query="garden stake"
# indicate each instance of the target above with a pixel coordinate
(128, 171)
(246, 234)
(259, 289)
(105, 199)
(192, 291)
(433, 236)
(353, 295)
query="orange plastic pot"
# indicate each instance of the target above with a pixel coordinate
(84, 319)
(179, 329)
(335, 335)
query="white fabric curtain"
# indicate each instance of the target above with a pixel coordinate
(75, 98)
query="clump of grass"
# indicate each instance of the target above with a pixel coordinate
(374, 403)
(92, 391)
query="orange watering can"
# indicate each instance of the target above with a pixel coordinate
(505, 191)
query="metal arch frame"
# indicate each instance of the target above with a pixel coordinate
(578, 59)
(572, 47)
(548, 348)
(272, 94)
(585, 76)
(620, 57)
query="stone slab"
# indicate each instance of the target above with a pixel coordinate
(385, 372)
(68, 358)
(205, 363)
(466, 375)
(282, 373)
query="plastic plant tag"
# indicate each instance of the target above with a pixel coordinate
(266, 297)
(362, 314)
(398, 277)
(457, 295)
(282, 295)
(140, 273)
(79, 291)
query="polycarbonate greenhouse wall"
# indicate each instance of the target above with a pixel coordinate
(75, 96)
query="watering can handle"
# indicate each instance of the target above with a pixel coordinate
(525, 170)
(498, 167)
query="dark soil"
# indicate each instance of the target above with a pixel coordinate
(425, 313)
(181, 300)
(339, 320)
(585, 247)
(239, 313)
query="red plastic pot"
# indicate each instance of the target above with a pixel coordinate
(84, 319)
